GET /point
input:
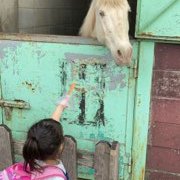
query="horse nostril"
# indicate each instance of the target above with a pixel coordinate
(119, 52)
(102, 13)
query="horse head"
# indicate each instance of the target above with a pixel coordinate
(107, 21)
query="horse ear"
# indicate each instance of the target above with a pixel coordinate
(89, 22)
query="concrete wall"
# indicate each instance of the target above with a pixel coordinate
(163, 157)
(8, 16)
(51, 16)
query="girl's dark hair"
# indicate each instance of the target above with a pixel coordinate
(43, 141)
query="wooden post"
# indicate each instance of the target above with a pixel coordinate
(6, 155)
(114, 159)
(69, 157)
(101, 161)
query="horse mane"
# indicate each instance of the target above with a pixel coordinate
(89, 22)
(111, 2)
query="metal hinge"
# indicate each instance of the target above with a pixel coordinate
(130, 167)
(135, 69)
(128, 164)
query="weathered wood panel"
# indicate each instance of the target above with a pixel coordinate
(106, 161)
(102, 158)
(85, 158)
(69, 157)
(114, 159)
(166, 110)
(6, 157)
(164, 159)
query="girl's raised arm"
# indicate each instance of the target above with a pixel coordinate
(59, 108)
(62, 104)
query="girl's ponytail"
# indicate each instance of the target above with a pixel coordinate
(44, 140)
(30, 154)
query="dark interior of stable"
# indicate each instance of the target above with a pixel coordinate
(54, 17)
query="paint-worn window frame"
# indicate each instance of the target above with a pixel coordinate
(48, 38)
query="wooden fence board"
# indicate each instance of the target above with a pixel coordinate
(69, 157)
(114, 158)
(104, 160)
(101, 161)
(6, 157)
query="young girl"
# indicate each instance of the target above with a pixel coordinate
(41, 151)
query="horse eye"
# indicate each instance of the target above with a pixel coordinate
(101, 13)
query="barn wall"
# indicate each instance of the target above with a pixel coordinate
(51, 16)
(163, 157)
(8, 16)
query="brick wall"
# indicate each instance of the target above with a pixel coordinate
(163, 156)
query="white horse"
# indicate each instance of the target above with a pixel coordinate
(107, 20)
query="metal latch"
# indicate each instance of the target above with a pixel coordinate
(15, 104)
(9, 105)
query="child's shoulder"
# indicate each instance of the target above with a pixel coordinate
(52, 172)
(15, 171)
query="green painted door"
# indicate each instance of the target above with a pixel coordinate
(35, 74)
(158, 19)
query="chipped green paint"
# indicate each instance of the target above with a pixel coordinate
(142, 106)
(102, 106)
(158, 19)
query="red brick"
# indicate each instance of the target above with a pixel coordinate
(161, 176)
(164, 159)
(165, 110)
(167, 56)
(166, 84)
(165, 135)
